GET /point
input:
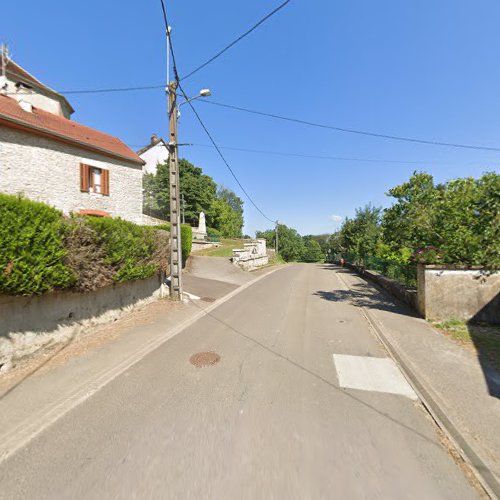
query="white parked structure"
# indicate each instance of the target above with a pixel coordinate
(47, 157)
(154, 154)
(253, 255)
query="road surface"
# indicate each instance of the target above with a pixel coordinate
(303, 404)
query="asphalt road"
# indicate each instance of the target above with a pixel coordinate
(303, 404)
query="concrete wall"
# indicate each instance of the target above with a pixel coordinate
(27, 323)
(472, 294)
(49, 171)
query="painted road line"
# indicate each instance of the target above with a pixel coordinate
(371, 374)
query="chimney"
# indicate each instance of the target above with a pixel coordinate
(26, 106)
(153, 138)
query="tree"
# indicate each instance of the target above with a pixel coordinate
(226, 214)
(291, 244)
(198, 189)
(226, 220)
(361, 234)
(312, 251)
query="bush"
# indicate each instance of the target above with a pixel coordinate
(213, 234)
(129, 248)
(186, 239)
(87, 257)
(32, 251)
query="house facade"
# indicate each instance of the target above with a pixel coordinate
(47, 157)
(153, 154)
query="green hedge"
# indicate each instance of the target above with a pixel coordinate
(42, 250)
(129, 247)
(186, 239)
(213, 234)
(32, 250)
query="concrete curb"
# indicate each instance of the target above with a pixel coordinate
(27, 429)
(431, 403)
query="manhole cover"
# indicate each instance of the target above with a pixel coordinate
(201, 359)
(208, 299)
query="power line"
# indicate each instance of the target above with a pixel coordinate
(234, 42)
(198, 116)
(222, 156)
(353, 131)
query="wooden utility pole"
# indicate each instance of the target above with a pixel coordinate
(175, 199)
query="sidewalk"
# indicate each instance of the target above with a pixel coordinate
(50, 385)
(460, 393)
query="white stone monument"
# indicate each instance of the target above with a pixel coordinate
(200, 232)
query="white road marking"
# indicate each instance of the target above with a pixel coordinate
(371, 374)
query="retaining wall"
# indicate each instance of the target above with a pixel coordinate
(468, 294)
(28, 323)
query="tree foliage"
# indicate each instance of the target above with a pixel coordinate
(457, 222)
(222, 207)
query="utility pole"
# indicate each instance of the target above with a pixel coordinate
(175, 212)
(276, 239)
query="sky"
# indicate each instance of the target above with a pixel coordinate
(422, 69)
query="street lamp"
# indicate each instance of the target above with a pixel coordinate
(202, 93)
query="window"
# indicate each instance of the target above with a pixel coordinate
(94, 180)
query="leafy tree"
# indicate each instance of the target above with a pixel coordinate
(412, 221)
(198, 189)
(312, 251)
(291, 244)
(226, 220)
(361, 234)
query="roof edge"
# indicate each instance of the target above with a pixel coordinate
(63, 138)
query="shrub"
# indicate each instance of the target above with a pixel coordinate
(129, 247)
(186, 239)
(213, 234)
(87, 256)
(32, 252)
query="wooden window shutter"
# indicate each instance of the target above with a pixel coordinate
(84, 177)
(105, 182)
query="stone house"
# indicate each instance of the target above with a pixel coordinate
(153, 154)
(46, 156)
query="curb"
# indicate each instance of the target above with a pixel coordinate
(481, 471)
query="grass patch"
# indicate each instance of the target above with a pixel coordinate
(484, 339)
(225, 249)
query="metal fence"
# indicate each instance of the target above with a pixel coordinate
(403, 272)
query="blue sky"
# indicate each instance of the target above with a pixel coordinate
(424, 69)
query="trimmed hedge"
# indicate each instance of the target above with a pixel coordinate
(32, 250)
(186, 239)
(42, 250)
(129, 248)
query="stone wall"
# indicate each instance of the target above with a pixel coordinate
(49, 171)
(29, 323)
(468, 294)
(251, 256)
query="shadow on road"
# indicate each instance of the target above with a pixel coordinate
(484, 338)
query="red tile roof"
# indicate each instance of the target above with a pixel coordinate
(59, 128)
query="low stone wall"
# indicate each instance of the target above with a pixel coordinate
(147, 220)
(468, 294)
(29, 323)
(202, 245)
(252, 256)
(396, 289)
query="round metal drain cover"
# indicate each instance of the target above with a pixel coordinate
(201, 359)
(208, 299)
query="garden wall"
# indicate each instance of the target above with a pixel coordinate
(468, 294)
(28, 323)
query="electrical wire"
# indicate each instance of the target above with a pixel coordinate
(352, 131)
(174, 65)
(234, 42)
